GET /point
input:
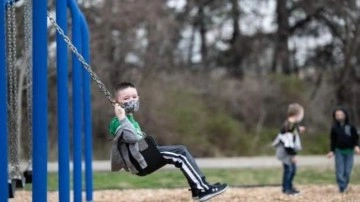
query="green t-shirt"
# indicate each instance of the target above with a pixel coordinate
(115, 125)
(345, 151)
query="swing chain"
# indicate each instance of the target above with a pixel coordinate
(10, 78)
(13, 129)
(29, 65)
(82, 60)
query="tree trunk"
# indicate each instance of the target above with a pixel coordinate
(191, 45)
(202, 30)
(281, 54)
(236, 49)
(347, 76)
(235, 15)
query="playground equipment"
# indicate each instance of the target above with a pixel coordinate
(36, 11)
(14, 95)
(37, 92)
(151, 154)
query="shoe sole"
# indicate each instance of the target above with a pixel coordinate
(292, 195)
(213, 195)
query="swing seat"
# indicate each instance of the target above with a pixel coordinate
(152, 156)
(28, 176)
(12, 188)
(19, 182)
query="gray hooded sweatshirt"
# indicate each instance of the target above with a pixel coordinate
(125, 143)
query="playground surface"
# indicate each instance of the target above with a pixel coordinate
(326, 192)
(310, 193)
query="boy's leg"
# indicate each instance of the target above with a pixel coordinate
(286, 178)
(339, 170)
(179, 156)
(293, 173)
(349, 161)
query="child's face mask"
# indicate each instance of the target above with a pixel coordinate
(131, 106)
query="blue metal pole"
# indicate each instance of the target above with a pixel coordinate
(63, 105)
(87, 112)
(40, 109)
(3, 110)
(77, 107)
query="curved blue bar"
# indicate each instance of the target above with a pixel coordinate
(3, 111)
(63, 104)
(87, 111)
(76, 100)
(40, 107)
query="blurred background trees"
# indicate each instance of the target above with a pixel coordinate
(218, 75)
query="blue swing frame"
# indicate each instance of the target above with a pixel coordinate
(81, 105)
(3, 111)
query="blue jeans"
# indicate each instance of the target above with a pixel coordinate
(343, 167)
(288, 177)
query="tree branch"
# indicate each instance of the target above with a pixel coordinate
(305, 21)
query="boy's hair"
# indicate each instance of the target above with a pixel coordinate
(123, 85)
(294, 109)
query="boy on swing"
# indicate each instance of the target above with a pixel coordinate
(125, 150)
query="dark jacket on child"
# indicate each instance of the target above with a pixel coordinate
(343, 135)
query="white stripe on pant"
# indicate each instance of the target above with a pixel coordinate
(179, 155)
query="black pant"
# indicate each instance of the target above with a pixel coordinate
(179, 156)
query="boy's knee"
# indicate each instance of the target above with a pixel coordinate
(183, 148)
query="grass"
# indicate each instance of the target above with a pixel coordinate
(234, 177)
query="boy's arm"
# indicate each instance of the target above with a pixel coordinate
(332, 139)
(123, 129)
(355, 135)
(129, 134)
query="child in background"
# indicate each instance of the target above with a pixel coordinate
(344, 139)
(287, 144)
(125, 150)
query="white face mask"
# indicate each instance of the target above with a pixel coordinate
(131, 106)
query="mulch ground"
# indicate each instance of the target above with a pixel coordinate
(311, 193)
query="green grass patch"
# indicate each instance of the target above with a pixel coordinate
(234, 177)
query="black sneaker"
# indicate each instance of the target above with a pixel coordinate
(343, 191)
(295, 191)
(290, 192)
(213, 191)
(195, 192)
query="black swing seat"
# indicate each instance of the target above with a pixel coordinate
(19, 182)
(28, 176)
(152, 156)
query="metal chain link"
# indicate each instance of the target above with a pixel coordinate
(93, 75)
(10, 86)
(29, 67)
(13, 88)
(15, 80)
